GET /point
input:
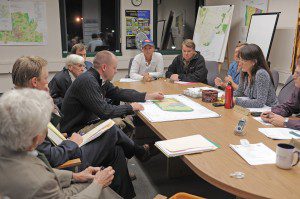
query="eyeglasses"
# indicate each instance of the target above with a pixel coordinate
(297, 74)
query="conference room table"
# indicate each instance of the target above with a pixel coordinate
(261, 181)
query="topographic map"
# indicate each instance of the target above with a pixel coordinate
(212, 30)
(22, 22)
(173, 105)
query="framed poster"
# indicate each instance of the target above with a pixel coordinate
(136, 21)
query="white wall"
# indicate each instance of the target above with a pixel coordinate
(282, 47)
(52, 52)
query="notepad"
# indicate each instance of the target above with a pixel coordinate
(56, 137)
(255, 154)
(280, 133)
(185, 145)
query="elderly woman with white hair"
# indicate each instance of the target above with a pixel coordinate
(24, 115)
(62, 80)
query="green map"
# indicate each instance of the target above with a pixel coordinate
(23, 30)
(22, 22)
(172, 105)
(212, 30)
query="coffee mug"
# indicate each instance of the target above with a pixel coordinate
(285, 156)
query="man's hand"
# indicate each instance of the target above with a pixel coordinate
(228, 79)
(75, 137)
(174, 77)
(219, 82)
(277, 120)
(265, 116)
(86, 175)
(104, 177)
(137, 106)
(154, 96)
(147, 77)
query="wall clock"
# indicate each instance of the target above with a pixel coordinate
(136, 2)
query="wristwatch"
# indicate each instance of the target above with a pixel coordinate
(285, 122)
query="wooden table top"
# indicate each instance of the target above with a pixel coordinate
(262, 181)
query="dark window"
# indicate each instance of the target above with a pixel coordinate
(96, 23)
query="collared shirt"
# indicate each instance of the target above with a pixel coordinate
(140, 66)
(233, 72)
(72, 76)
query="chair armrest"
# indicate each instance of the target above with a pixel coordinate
(70, 163)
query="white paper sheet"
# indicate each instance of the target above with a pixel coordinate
(155, 114)
(184, 83)
(279, 133)
(128, 80)
(263, 109)
(261, 121)
(255, 154)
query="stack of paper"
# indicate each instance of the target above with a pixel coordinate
(184, 83)
(255, 154)
(185, 145)
(280, 133)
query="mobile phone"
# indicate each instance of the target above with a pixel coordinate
(256, 114)
(217, 104)
(240, 127)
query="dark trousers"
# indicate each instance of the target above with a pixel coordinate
(110, 149)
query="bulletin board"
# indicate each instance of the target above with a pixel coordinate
(136, 21)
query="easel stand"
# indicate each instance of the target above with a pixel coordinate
(226, 58)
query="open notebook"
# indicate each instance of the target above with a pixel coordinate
(56, 137)
(185, 145)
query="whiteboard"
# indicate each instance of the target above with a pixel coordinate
(212, 30)
(261, 31)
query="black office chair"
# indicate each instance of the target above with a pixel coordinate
(213, 72)
(129, 67)
(100, 48)
(287, 90)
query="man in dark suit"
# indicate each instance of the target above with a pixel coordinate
(85, 99)
(80, 49)
(62, 80)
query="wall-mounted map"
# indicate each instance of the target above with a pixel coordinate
(23, 22)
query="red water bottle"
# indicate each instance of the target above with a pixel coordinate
(229, 96)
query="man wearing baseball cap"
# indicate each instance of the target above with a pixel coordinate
(147, 65)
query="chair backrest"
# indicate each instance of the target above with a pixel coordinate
(275, 76)
(213, 72)
(129, 67)
(100, 48)
(287, 90)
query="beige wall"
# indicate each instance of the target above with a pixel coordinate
(281, 51)
(52, 51)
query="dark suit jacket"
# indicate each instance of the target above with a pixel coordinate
(85, 101)
(57, 155)
(59, 85)
(196, 70)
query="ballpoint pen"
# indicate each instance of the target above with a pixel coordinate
(294, 133)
